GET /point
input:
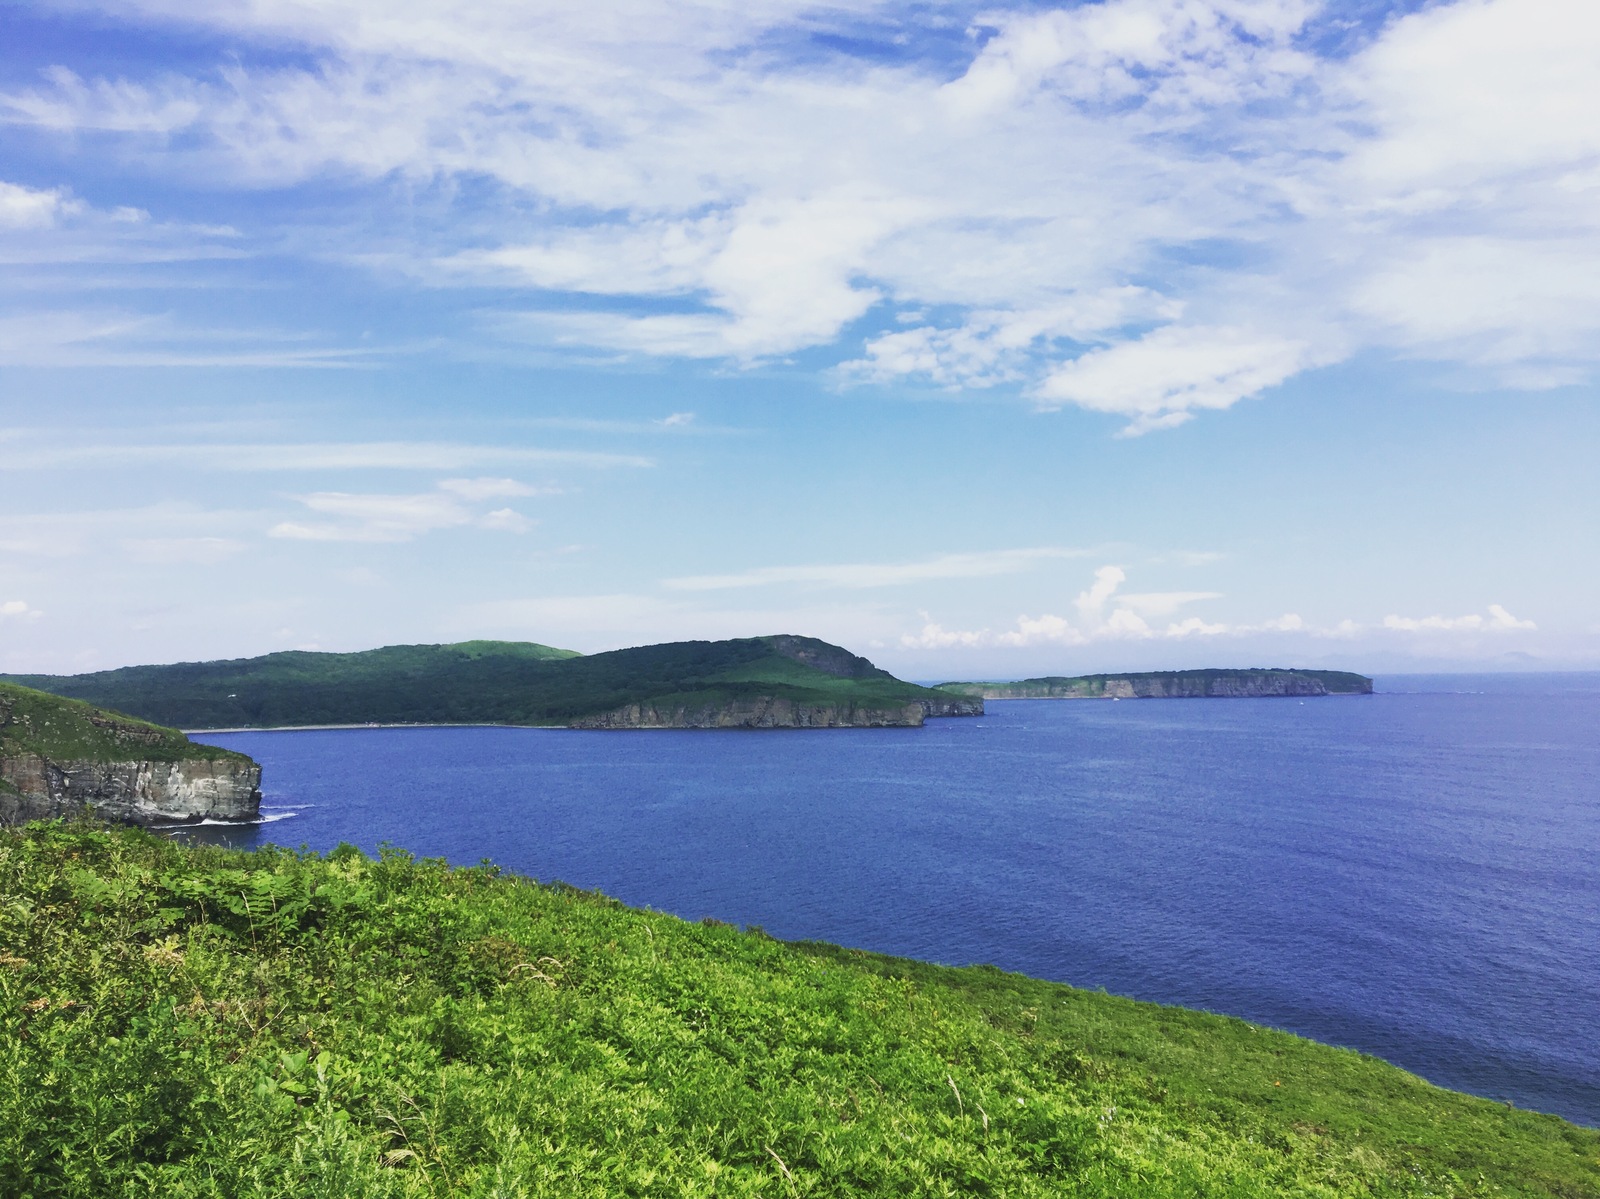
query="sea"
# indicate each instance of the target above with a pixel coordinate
(1414, 874)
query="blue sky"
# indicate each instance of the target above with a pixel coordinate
(984, 340)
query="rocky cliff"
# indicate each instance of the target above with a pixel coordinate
(1175, 684)
(59, 756)
(764, 712)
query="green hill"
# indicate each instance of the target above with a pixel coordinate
(197, 1022)
(1173, 684)
(776, 680)
(35, 722)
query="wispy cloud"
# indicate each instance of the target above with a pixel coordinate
(391, 518)
(880, 574)
(1222, 208)
(307, 456)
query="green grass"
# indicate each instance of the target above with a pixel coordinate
(67, 730)
(185, 1022)
(488, 682)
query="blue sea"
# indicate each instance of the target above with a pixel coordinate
(1415, 874)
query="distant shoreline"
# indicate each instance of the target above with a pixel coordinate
(307, 728)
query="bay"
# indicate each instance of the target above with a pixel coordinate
(1415, 874)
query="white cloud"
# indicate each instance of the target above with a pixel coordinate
(1164, 603)
(488, 489)
(1106, 580)
(1126, 622)
(888, 574)
(307, 456)
(1126, 619)
(1219, 209)
(1162, 379)
(17, 610)
(103, 531)
(1498, 620)
(392, 518)
(32, 208)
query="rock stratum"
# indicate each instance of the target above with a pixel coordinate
(781, 681)
(1175, 684)
(58, 757)
(768, 712)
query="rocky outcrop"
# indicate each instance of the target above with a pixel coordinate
(59, 757)
(1176, 684)
(33, 787)
(1237, 686)
(763, 712)
(955, 705)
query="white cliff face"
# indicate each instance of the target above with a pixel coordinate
(33, 787)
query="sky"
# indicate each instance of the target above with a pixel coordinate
(985, 340)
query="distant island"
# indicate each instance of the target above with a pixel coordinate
(60, 756)
(1173, 684)
(753, 682)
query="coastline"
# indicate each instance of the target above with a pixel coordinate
(307, 728)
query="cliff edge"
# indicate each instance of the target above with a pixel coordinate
(58, 756)
(1175, 684)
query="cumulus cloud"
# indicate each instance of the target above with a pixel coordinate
(1498, 620)
(1104, 614)
(33, 208)
(1107, 615)
(17, 610)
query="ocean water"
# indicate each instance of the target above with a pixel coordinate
(1415, 874)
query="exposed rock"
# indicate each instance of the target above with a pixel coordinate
(141, 792)
(764, 712)
(956, 705)
(1175, 684)
(60, 756)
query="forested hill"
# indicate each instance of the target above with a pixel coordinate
(1174, 684)
(749, 682)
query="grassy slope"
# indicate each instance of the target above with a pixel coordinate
(197, 1022)
(66, 730)
(478, 682)
(1338, 682)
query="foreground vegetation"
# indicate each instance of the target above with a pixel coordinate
(482, 682)
(188, 1022)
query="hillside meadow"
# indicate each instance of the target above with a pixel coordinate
(201, 1022)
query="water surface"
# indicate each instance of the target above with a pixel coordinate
(1415, 874)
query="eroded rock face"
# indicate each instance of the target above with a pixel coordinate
(143, 792)
(759, 713)
(956, 705)
(1243, 686)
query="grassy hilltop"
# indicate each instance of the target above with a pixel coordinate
(197, 1022)
(483, 682)
(68, 730)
